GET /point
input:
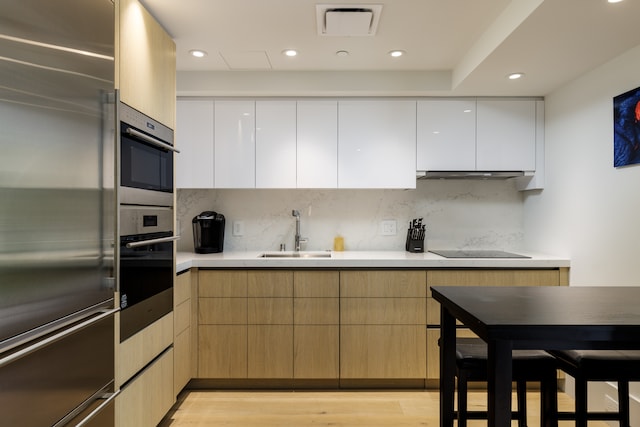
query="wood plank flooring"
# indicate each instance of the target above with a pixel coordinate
(404, 408)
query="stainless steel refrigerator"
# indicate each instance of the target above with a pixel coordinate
(57, 210)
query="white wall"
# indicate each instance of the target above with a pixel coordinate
(458, 214)
(589, 210)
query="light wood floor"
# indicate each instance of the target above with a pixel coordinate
(328, 408)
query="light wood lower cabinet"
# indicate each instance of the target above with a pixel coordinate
(316, 320)
(268, 324)
(182, 330)
(476, 277)
(382, 324)
(145, 400)
(346, 325)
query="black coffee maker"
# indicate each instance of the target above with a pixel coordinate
(208, 232)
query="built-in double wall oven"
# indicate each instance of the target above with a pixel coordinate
(146, 221)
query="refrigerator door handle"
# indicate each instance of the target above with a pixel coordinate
(109, 397)
(45, 342)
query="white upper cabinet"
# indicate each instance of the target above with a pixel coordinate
(194, 139)
(446, 135)
(235, 148)
(376, 144)
(477, 135)
(275, 144)
(317, 144)
(506, 135)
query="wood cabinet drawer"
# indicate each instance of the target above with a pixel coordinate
(270, 311)
(182, 317)
(381, 311)
(270, 284)
(492, 278)
(222, 311)
(316, 311)
(316, 284)
(380, 284)
(182, 288)
(224, 283)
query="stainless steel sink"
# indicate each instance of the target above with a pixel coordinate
(290, 254)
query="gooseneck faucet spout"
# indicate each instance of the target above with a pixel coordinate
(297, 238)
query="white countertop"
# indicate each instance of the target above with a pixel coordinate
(363, 259)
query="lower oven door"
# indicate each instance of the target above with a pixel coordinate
(146, 280)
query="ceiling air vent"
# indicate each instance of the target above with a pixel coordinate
(348, 20)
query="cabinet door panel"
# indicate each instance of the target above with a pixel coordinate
(234, 142)
(222, 351)
(147, 61)
(315, 351)
(447, 135)
(275, 144)
(383, 351)
(270, 352)
(376, 144)
(506, 135)
(317, 144)
(194, 139)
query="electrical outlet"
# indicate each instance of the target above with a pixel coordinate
(238, 228)
(388, 227)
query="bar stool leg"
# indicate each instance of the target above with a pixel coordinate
(521, 392)
(581, 402)
(623, 403)
(549, 401)
(462, 399)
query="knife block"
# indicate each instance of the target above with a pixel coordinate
(414, 245)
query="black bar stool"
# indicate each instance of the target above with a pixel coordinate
(621, 366)
(528, 366)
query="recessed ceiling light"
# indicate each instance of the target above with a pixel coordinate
(515, 76)
(396, 53)
(198, 53)
(290, 52)
(342, 53)
(614, 1)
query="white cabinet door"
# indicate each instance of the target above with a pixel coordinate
(317, 162)
(275, 144)
(377, 144)
(234, 142)
(446, 135)
(194, 139)
(506, 135)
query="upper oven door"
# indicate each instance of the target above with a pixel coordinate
(146, 160)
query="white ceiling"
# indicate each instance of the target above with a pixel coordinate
(453, 47)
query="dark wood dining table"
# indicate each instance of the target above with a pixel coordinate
(531, 317)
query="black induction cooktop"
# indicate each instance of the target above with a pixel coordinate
(472, 253)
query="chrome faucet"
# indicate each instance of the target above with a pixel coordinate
(297, 239)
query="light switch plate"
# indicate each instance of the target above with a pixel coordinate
(388, 227)
(238, 228)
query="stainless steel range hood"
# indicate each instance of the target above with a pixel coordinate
(469, 174)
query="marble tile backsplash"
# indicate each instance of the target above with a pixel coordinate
(457, 214)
